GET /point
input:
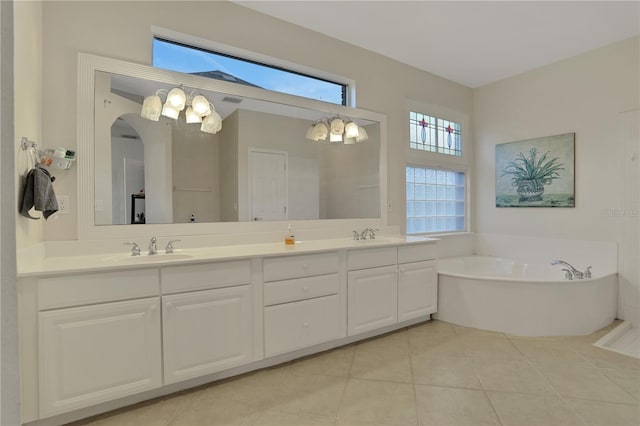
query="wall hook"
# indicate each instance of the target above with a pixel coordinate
(26, 144)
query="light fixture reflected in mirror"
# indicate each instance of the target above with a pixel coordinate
(212, 123)
(151, 107)
(198, 108)
(191, 116)
(337, 131)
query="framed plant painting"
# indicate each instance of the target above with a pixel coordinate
(536, 173)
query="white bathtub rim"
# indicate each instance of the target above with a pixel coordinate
(510, 278)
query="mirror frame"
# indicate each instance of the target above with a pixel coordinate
(88, 64)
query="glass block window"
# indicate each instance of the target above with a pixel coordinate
(427, 133)
(435, 200)
(193, 60)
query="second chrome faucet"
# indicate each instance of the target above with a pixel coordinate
(153, 247)
(363, 235)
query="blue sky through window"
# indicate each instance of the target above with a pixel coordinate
(181, 58)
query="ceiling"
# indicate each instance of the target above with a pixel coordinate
(473, 43)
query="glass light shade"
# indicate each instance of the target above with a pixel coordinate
(311, 133)
(177, 99)
(169, 111)
(200, 105)
(351, 130)
(321, 131)
(151, 108)
(212, 123)
(337, 126)
(192, 117)
(335, 138)
(362, 134)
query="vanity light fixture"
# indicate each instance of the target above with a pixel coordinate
(337, 131)
(212, 123)
(198, 108)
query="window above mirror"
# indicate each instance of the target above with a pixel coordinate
(181, 57)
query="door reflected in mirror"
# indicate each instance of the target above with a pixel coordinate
(258, 167)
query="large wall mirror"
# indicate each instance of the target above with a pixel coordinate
(260, 167)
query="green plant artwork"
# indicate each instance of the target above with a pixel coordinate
(536, 172)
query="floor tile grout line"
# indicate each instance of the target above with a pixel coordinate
(346, 383)
(486, 395)
(633, 397)
(537, 367)
(413, 382)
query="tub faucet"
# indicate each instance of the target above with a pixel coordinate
(574, 272)
(153, 248)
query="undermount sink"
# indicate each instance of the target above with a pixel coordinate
(143, 258)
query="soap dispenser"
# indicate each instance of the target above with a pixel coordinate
(289, 238)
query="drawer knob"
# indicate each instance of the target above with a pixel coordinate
(305, 289)
(305, 324)
(305, 266)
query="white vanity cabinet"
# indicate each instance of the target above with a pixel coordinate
(302, 306)
(103, 339)
(390, 285)
(417, 289)
(99, 351)
(206, 331)
(417, 281)
(372, 289)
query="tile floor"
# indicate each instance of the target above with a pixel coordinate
(433, 373)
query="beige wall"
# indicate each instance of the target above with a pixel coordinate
(265, 131)
(28, 101)
(9, 354)
(585, 95)
(349, 182)
(69, 27)
(228, 170)
(196, 187)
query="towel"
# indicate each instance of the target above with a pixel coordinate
(38, 193)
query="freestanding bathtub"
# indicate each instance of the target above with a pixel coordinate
(498, 294)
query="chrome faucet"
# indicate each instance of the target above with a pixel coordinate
(363, 235)
(135, 250)
(169, 248)
(571, 272)
(153, 248)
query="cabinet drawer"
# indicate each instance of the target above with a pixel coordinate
(298, 325)
(417, 252)
(300, 289)
(283, 268)
(87, 289)
(177, 279)
(369, 258)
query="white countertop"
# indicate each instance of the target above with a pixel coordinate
(56, 265)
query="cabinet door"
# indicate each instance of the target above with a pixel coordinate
(97, 353)
(206, 331)
(372, 299)
(417, 290)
